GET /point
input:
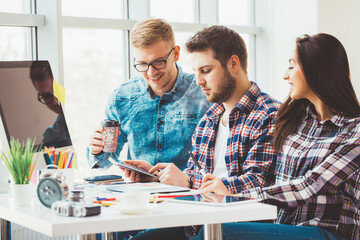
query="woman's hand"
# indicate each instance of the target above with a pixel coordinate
(213, 184)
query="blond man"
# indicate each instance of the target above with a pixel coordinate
(158, 110)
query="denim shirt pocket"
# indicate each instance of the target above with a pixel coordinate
(178, 130)
(185, 115)
(181, 126)
(186, 118)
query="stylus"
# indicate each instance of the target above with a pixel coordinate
(201, 170)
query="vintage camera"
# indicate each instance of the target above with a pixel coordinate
(75, 206)
(68, 208)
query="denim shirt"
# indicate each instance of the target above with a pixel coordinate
(157, 129)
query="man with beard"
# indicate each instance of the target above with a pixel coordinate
(233, 140)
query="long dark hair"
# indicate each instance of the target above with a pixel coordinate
(325, 65)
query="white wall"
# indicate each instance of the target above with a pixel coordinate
(283, 21)
(290, 19)
(341, 18)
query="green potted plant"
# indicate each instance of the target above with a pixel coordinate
(20, 163)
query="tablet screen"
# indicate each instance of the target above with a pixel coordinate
(213, 199)
(132, 168)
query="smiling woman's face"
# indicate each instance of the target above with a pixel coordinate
(299, 88)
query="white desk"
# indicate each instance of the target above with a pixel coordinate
(166, 214)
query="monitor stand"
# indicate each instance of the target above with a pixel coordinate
(4, 178)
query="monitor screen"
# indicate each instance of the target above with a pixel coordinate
(28, 107)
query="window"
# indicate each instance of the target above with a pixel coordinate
(15, 6)
(15, 43)
(94, 53)
(173, 11)
(234, 12)
(184, 60)
(94, 8)
(93, 68)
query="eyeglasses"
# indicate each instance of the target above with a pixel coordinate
(160, 64)
(46, 98)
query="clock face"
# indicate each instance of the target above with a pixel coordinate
(49, 191)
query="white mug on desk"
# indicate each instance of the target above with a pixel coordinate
(135, 202)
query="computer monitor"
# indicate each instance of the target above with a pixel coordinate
(28, 107)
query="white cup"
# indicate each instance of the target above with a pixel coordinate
(135, 201)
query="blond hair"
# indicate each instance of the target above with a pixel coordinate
(150, 31)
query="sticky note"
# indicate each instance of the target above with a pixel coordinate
(59, 91)
(74, 162)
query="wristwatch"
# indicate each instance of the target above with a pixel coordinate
(191, 180)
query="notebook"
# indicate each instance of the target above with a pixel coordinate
(152, 187)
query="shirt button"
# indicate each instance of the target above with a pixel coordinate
(160, 122)
(159, 145)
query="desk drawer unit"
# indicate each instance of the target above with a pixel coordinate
(21, 233)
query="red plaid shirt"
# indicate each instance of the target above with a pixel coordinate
(249, 154)
(250, 157)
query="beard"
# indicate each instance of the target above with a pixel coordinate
(226, 88)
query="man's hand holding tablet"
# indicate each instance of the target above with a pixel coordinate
(136, 170)
(166, 173)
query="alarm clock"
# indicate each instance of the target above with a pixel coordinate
(49, 191)
(53, 186)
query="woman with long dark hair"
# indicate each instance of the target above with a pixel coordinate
(317, 137)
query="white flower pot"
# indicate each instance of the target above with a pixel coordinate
(22, 194)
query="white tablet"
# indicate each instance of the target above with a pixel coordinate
(212, 200)
(131, 168)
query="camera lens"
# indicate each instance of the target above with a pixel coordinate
(76, 196)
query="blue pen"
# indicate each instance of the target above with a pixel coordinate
(201, 170)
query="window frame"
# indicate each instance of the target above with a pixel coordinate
(47, 22)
